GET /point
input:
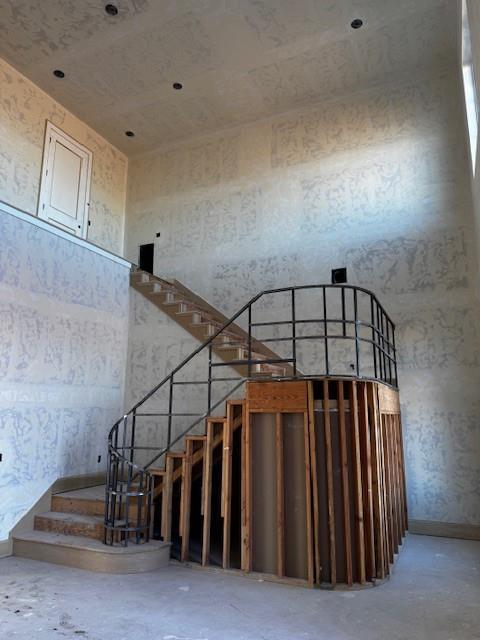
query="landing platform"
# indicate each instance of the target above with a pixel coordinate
(90, 554)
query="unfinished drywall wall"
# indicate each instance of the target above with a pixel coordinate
(24, 110)
(63, 343)
(473, 9)
(376, 181)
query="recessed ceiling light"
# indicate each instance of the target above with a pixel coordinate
(177, 86)
(130, 134)
(58, 73)
(357, 23)
(111, 9)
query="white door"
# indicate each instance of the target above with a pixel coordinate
(65, 186)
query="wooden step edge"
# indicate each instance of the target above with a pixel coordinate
(143, 283)
(226, 346)
(191, 312)
(215, 419)
(172, 303)
(163, 291)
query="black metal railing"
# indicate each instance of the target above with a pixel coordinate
(317, 330)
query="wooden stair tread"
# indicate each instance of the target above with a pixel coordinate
(88, 493)
(71, 517)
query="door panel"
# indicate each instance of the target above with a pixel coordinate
(65, 188)
(67, 168)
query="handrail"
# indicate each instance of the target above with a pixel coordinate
(232, 320)
(382, 342)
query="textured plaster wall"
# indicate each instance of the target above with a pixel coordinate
(63, 344)
(474, 20)
(376, 181)
(24, 109)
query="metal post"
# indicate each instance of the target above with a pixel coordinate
(139, 509)
(357, 344)
(374, 337)
(383, 347)
(209, 398)
(394, 355)
(127, 504)
(249, 341)
(387, 323)
(170, 411)
(325, 331)
(294, 336)
(150, 481)
(344, 326)
(132, 435)
(379, 339)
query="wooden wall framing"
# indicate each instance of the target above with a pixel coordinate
(356, 514)
(302, 481)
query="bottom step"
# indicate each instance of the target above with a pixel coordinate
(90, 554)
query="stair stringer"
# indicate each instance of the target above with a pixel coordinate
(200, 319)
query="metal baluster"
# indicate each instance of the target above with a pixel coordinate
(108, 495)
(387, 323)
(382, 329)
(122, 467)
(394, 355)
(209, 399)
(139, 509)
(294, 336)
(132, 435)
(127, 503)
(325, 331)
(357, 344)
(250, 341)
(150, 480)
(379, 341)
(170, 410)
(374, 348)
(115, 485)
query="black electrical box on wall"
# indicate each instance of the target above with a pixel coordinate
(339, 276)
(145, 259)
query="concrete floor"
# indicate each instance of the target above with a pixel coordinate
(434, 594)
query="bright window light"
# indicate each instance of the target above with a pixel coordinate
(469, 85)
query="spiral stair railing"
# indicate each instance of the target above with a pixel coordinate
(357, 318)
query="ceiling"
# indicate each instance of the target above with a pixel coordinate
(238, 60)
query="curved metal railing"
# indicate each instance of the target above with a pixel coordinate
(318, 330)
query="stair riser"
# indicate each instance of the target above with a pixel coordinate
(105, 562)
(94, 531)
(89, 507)
(77, 505)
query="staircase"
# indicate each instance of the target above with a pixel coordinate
(190, 497)
(203, 321)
